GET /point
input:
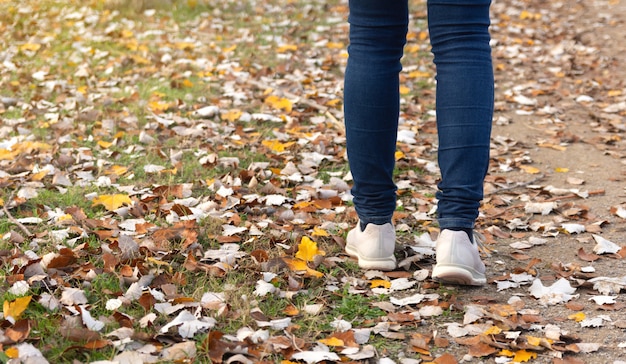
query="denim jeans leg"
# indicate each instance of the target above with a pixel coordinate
(459, 34)
(372, 103)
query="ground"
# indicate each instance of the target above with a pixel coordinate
(582, 129)
(198, 149)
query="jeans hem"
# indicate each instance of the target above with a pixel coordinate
(447, 223)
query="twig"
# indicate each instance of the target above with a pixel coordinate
(298, 99)
(14, 220)
(573, 195)
(524, 184)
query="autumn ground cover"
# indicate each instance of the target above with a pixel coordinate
(174, 189)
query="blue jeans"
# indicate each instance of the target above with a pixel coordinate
(459, 35)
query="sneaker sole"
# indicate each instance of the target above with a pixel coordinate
(385, 264)
(457, 275)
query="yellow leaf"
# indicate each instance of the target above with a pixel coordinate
(112, 202)
(561, 170)
(187, 83)
(32, 47)
(276, 146)
(299, 265)
(104, 144)
(291, 310)
(532, 340)
(506, 352)
(404, 90)
(183, 46)
(12, 353)
(418, 74)
(613, 93)
(333, 102)
(522, 356)
(332, 341)
(400, 155)
(6, 155)
(335, 45)
(231, 115)
(64, 218)
(553, 146)
(307, 249)
(158, 106)
(117, 170)
(280, 103)
(302, 205)
(530, 169)
(578, 316)
(230, 49)
(493, 330)
(1, 202)
(13, 310)
(319, 232)
(376, 283)
(287, 48)
(39, 176)
(139, 59)
(127, 33)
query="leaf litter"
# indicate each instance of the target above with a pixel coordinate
(141, 104)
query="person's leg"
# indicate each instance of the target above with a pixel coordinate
(459, 34)
(372, 105)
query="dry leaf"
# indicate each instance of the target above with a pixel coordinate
(14, 309)
(307, 250)
(112, 202)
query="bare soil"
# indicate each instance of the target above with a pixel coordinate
(579, 141)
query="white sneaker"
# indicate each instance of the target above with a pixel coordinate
(373, 247)
(458, 260)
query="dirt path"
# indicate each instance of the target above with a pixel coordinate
(560, 71)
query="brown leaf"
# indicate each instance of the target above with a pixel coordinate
(468, 341)
(110, 262)
(123, 319)
(446, 359)
(481, 349)
(587, 257)
(147, 300)
(347, 337)
(97, 344)
(19, 331)
(401, 317)
(78, 334)
(520, 256)
(441, 342)
(260, 255)
(64, 259)
(420, 343)
(575, 306)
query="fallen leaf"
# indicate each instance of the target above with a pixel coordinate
(307, 250)
(112, 202)
(13, 310)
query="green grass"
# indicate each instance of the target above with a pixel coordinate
(140, 88)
